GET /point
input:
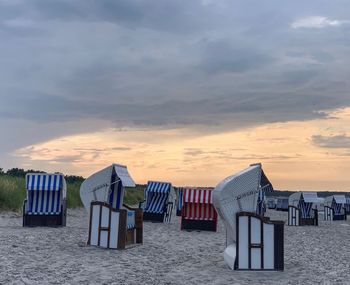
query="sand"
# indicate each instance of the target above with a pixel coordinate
(313, 255)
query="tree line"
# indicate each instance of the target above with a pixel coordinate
(20, 172)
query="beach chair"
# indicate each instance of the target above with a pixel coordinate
(282, 204)
(179, 200)
(198, 212)
(302, 210)
(253, 241)
(45, 204)
(159, 202)
(334, 208)
(112, 224)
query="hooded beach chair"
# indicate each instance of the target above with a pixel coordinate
(198, 212)
(159, 201)
(334, 208)
(45, 204)
(302, 209)
(253, 241)
(112, 224)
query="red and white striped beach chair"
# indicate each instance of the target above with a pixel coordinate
(198, 212)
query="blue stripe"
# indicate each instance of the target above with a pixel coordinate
(59, 194)
(53, 195)
(48, 195)
(27, 181)
(179, 204)
(119, 194)
(42, 195)
(37, 195)
(33, 180)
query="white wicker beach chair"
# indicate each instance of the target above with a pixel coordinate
(253, 241)
(112, 224)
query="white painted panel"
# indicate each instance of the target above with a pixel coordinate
(103, 239)
(255, 230)
(243, 243)
(290, 216)
(113, 242)
(94, 225)
(268, 246)
(256, 258)
(105, 217)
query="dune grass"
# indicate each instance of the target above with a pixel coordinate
(134, 195)
(12, 193)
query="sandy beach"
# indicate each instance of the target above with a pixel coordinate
(313, 255)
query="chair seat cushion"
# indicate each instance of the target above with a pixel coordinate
(130, 219)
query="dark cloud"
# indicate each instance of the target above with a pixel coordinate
(336, 141)
(224, 56)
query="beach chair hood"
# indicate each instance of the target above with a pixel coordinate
(97, 187)
(307, 197)
(45, 192)
(239, 193)
(338, 199)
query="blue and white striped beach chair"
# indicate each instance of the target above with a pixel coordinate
(46, 200)
(159, 201)
(335, 208)
(302, 209)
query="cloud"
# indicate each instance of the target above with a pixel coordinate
(70, 67)
(317, 22)
(224, 56)
(337, 141)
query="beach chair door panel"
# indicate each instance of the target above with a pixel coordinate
(255, 244)
(293, 216)
(104, 227)
(95, 223)
(269, 246)
(114, 230)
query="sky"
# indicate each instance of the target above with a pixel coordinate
(183, 91)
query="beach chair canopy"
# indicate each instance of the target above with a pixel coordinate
(157, 195)
(307, 197)
(106, 185)
(305, 201)
(238, 193)
(335, 199)
(45, 193)
(198, 203)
